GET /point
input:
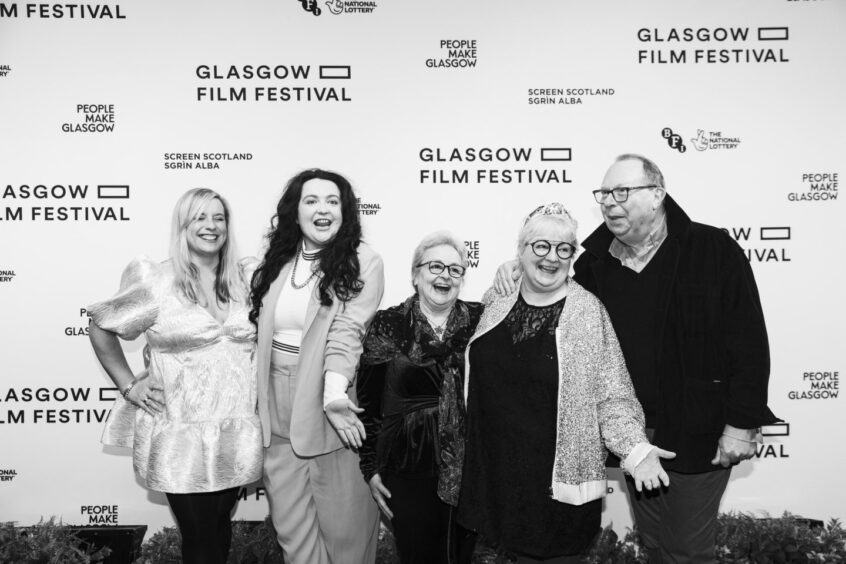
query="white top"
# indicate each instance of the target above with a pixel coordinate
(289, 316)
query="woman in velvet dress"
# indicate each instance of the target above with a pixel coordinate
(191, 419)
(547, 391)
(410, 382)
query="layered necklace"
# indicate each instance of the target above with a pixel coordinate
(308, 257)
(438, 328)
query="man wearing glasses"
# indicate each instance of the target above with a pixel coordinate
(684, 304)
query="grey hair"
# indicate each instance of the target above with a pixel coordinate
(436, 239)
(650, 169)
(562, 216)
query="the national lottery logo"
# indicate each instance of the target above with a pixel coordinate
(368, 208)
(8, 474)
(714, 140)
(337, 7)
(6, 275)
(5, 70)
(704, 140)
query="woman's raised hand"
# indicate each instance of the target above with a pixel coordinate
(342, 415)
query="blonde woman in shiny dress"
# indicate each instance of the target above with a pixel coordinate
(190, 418)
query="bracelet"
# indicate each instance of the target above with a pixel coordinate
(125, 391)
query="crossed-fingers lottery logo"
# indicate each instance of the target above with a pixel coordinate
(704, 140)
(338, 7)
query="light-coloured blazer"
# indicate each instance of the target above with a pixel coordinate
(332, 338)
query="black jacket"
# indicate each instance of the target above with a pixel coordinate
(711, 340)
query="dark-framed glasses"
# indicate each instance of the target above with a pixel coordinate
(541, 248)
(620, 194)
(436, 267)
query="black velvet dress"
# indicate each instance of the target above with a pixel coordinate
(512, 411)
(410, 386)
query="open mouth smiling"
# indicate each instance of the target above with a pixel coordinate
(441, 288)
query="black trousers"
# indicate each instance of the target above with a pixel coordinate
(679, 524)
(425, 529)
(205, 522)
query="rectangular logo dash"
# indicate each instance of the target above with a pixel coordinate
(108, 394)
(556, 153)
(772, 34)
(338, 72)
(110, 191)
(776, 430)
(775, 233)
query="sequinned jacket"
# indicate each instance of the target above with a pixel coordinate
(597, 407)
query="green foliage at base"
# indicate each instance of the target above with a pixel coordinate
(741, 538)
(48, 542)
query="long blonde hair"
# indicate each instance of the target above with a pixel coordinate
(229, 284)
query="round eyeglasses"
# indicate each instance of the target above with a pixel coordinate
(541, 248)
(436, 267)
(620, 194)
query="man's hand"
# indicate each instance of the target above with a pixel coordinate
(342, 415)
(505, 281)
(735, 445)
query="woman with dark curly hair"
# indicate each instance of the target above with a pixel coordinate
(313, 296)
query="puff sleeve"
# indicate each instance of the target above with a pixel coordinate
(135, 307)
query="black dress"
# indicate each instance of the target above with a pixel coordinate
(410, 385)
(512, 419)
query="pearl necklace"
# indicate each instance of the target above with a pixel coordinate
(310, 257)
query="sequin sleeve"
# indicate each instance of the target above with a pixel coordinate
(135, 307)
(620, 414)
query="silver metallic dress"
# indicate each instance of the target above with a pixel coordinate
(208, 437)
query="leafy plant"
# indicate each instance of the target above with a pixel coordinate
(254, 543)
(164, 547)
(743, 538)
(607, 548)
(48, 542)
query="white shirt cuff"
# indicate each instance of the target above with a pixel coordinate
(635, 457)
(334, 387)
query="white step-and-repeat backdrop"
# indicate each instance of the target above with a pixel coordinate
(460, 115)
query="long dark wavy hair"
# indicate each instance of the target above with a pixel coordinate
(339, 266)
